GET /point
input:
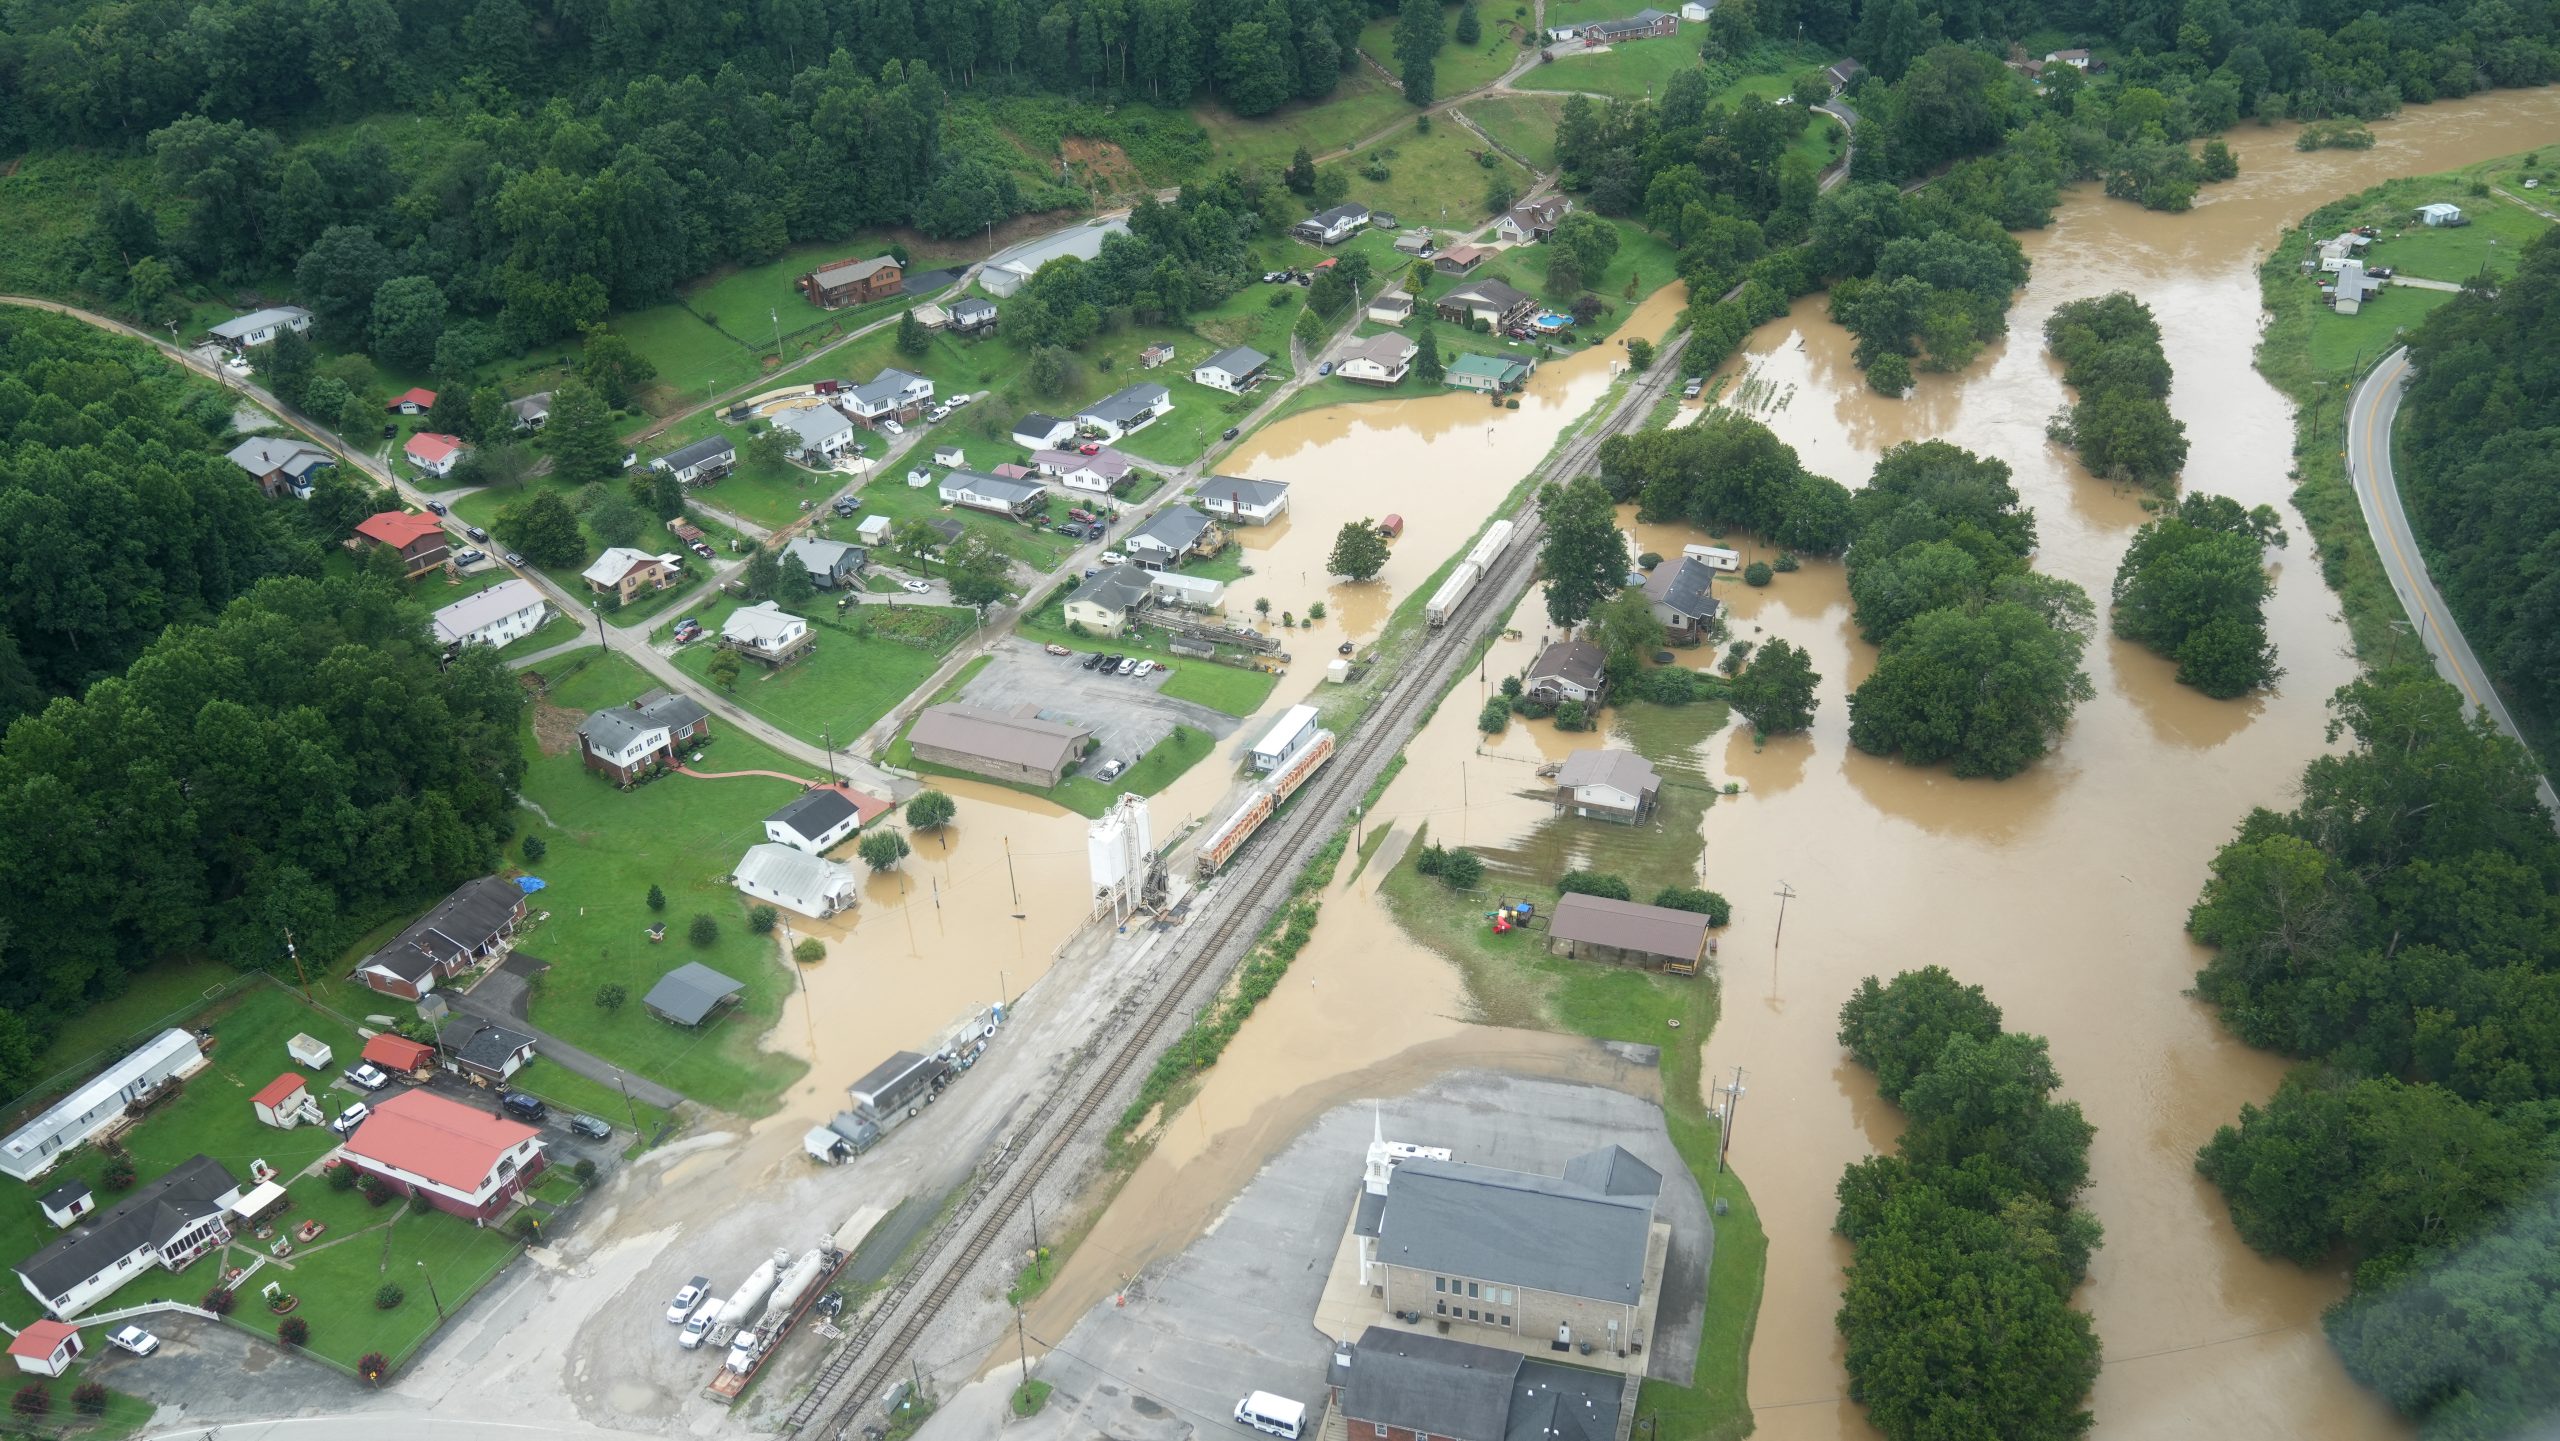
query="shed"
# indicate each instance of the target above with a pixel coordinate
(67, 1202)
(689, 994)
(1676, 938)
(310, 1051)
(398, 1054)
(1287, 733)
(46, 1348)
(284, 1103)
(795, 880)
(263, 1200)
(2440, 213)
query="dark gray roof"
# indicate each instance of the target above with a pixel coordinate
(709, 448)
(971, 307)
(1126, 404)
(1431, 1385)
(1493, 293)
(948, 529)
(1036, 423)
(1613, 1171)
(463, 922)
(1176, 528)
(689, 992)
(1115, 587)
(1327, 219)
(611, 730)
(61, 1197)
(1622, 769)
(1373, 1206)
(1578, 661)
(150, 1216)
(815, 812)
(490, 1047)
(1237, 360)
(1563, 1403)
(890, 1072)
(1244, 492)
(1685, 585)
(1546, 1233)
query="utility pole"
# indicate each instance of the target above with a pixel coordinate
(628, 1104)
(1022, 1347)
(827, 743)
(296, 957)
(1784, 893)
(1008, 871)
(777, 335)
(1732, 1106)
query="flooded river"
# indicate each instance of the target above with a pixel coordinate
(2062, 891)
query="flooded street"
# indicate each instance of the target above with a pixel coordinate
(2063, 891)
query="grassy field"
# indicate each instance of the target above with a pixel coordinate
(848, 680)
(550, 633)
(1361, 106)
(890, 495)
(1525, 123)
(102, 1030)
(1435, 179)
(1627, 72)
(607, 847)
(2315, 356)
(1458, 68)
(481, 508)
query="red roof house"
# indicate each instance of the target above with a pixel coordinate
(399, 1054)
(46, 1348)
(462, 1159)
(417, 400)
(283, 1102)
(433, 453)
(416, 536)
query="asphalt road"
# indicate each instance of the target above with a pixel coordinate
(2369, 421)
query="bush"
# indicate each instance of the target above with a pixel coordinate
(32, 1399)
(293, 1331)
(585, 1171)
(388, 1296)
(1665, 685)
(1431, 860)
(342, 1177)
(1756, 574)
(1532, 708)
(1786, 563)
(809, 951)
(375, 1189)
(610, 996)
(534, 849)
(762, 919)
(1594, 883)
(373, 1366)
(1461, 870)
(1496, 716)
(704, 931)
(1573, 715)
(118, 1176)
(1714, 907)
(657, 899)
(1648, 560)
(1511, 689)
(90, 1398)
(219, 1300)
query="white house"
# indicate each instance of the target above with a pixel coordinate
(765, 632)
(820, 817)
(2076, 59)
(1041, 432)
(509, 610)
(435, 454)
(1532, 219)
(950, 455)
(1378, 360)
(1164, 540)
(532, 412)
(700, 463)
(1695, 13)
(795, 880)
(1107, 598)
(457, 1158)
(992, 493)
(893, 394)
(166, 1223)
(1189, 591)
(1232, 369)
(1126, 411)
(1609, 785)
(33, 1148)
(820, 432)
(1100, 473)
(1332, 227)
(1234, 498)
(1395, 307)
(261, 327)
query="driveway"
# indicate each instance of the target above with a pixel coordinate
(500, 998)
(1127, 715)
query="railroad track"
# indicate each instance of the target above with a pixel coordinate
(985, 1215)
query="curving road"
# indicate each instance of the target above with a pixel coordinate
(2369, 420)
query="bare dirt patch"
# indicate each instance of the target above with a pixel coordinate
(555, 728)
(1104, 165)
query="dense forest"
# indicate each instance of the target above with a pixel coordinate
(1966, 1242)
(2400, 928)
(2481, 433)
(2109, 346)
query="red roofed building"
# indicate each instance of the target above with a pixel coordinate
(284, 1103)
(46, 1348)
(463, 1160)
(419, 539)
(417, 400)
(398, 1054)
(436, 454)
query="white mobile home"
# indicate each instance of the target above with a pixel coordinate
(33, 1148)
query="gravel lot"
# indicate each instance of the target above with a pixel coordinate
(1127, 714)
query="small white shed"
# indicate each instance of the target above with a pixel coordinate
(309, 1051)
(2440, 214)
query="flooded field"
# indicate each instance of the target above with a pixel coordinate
(2062, 891)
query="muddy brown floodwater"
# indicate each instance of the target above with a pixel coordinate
(2062, 891)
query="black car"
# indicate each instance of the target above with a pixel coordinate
(594, 1128)
(435, 507)
(524, 1107)
(1093, 661)
(391, 432)
(1230, 433)
(476, 533)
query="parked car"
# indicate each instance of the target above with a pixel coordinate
(1055, 649)
(688, 1300)
(630, 458)
(1230, 433)
(893, 427)
(917, 586)
(391, 432)
(435, 507)
(1111, 662)
(1090, 447)
(1113, 557)
(1145, 668)
(367, 1078)
(135, 1340)
(937, 412)
(512, 558)
(594, 1128)
(1078, 513)
(476, 533)
(1095, 660)
(524, 1107)
(1127, 664)
(703, 548)
(960, 400)
(468, 556)
(1111, 771)
(350, 1118)
(688, 628)
(1325, 369)
(699, 1324)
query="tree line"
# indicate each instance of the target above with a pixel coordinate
(1966, 1243)
(2193, 587)
(2109, 346)
(2482, 477)
(2395, 930)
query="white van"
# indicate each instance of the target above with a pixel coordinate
(1277, 1415)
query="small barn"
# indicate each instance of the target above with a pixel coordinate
(46, 1348)
(1627, 931)
(689, 994)
(67, 1202)
(284, 1103)
(398, 1055)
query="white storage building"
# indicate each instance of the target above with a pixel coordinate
(33, 1148)
(1295, 725)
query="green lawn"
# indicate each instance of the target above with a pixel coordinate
(2342, 345)
(848, 680)
(550, 633)
(481, 508)
(1627, 72)
(336, 1283)
(890, 495)
(1433, 179)
(1458, 68)
(1362, 105)
(607, 847)
(1525, 123)
(151, 1002)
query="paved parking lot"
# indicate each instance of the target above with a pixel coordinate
(1127, 714)
(1235, 1312)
